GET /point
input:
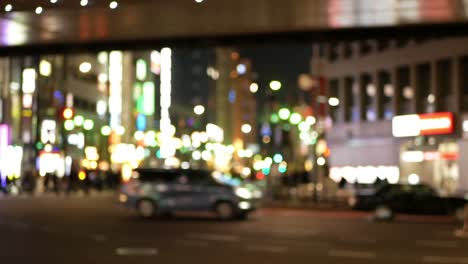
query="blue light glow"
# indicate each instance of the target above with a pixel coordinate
(141, 122)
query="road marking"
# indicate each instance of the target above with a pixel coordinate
(142, 252)
(20, 225)
(359, 240)
(437, 243)
(99, 238)
(445, 260)
(192, 243)
(214, 237)
(269, 249)
(352, 254)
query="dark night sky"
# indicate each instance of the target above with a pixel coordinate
(279, 62)
(283, 62)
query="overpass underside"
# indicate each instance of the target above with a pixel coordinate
(65, 27)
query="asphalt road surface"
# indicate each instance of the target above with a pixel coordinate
(98, 230)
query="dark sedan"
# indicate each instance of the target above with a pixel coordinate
(408, 199)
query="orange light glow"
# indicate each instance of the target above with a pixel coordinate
(67, 113)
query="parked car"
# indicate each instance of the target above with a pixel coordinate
(409, 199)
(155, 192)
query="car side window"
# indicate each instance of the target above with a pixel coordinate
(424, 191)
(199, 178)
(182, 179)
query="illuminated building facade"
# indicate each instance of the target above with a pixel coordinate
(374, 82)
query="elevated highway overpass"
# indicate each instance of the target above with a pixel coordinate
(66, 26)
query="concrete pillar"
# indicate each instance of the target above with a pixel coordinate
(457, 85)
(416, 100)
(362, 97)
(128, 119)
(395, 80)
(379, 96)
(347, 98)
(342, 97)
(435, 87)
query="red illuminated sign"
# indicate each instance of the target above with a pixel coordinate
(436, 123)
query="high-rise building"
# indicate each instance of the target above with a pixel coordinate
(399, 111)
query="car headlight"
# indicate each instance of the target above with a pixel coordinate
(243, 193)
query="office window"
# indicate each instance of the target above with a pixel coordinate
(444, 83)
(387, 89)
(405, 91)
(369, 97)
(335, 104)
(350, 100)
(423, 82)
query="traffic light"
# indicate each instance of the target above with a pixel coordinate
(68, 113)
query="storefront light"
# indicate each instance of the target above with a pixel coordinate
(88, 124)
(310, 120)
(284, 113)
(141, 69)
(277, 158)
(303, 126)
(106, 130)
(295, 118)
(29, 81)
(79, 120)
(139, 135)
(413, 179)
(412, 156)
(45, 68)
(196, 155)
(120, 130)
(321, 161)
(69, 125)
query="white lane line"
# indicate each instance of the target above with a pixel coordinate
(269, 249)
(359, 240)
(437, 243)
(214, 237)
(445, 260)
(99, 238)
(192, 243)
(351, 254)
(141, 252)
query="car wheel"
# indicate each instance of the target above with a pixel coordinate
(146, 208)
(460, 214)
(383, 212)
(225, 210)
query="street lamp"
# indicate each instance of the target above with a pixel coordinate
(246, 128)
(45, 68)
(199, 110)
(284, 113)
(333, 101)
(253, 87)
(275, 85)
(85, 67)
(310, 120)
(295, 118)
(106, 130)
(79, 120)
(88, 124)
